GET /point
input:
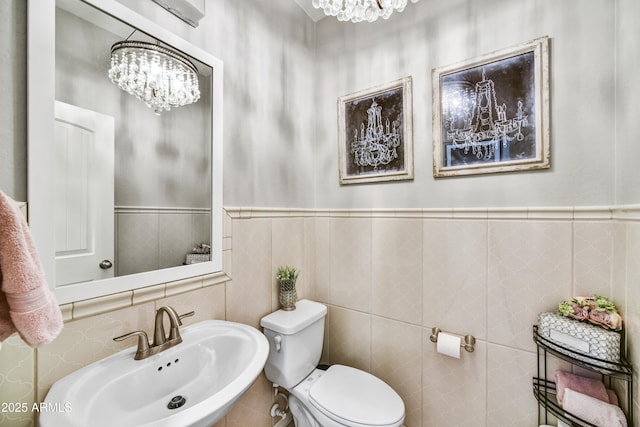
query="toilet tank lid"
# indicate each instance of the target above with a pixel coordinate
(293, 321)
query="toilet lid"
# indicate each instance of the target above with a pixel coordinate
(355, 397)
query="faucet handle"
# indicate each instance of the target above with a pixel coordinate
(143, 342)
(182, 316)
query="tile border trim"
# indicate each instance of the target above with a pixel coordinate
(584, 213)
(91, 307)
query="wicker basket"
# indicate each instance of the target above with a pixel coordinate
(590, 340)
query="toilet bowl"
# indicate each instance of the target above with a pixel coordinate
(340, 396)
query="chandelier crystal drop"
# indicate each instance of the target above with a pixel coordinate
(158, 76)
(360, 10)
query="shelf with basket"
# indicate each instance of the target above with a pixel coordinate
(545, 390)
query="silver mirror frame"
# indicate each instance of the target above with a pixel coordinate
(40, 128)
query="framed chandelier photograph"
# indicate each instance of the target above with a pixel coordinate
(491, 113)
(375, 134)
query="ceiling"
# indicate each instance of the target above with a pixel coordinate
(314, 14)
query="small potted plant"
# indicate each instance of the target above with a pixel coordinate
(287, 284)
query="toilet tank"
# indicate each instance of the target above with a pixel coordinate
(295, 342)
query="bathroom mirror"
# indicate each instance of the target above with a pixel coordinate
(119, 197)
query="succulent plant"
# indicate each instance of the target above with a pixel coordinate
(287, 273)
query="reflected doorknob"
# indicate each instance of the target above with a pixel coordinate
(106, 264)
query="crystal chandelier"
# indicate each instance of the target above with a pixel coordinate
(158, 76)
(360, 10)
(377, 144)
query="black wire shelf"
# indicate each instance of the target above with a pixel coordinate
(545, 390)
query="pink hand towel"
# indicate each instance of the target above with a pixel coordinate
(593, 410)
(27, 305)
(589, 386)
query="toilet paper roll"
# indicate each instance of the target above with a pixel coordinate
(449, 345)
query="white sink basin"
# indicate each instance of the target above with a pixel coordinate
(213, 366)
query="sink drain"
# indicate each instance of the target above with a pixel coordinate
(176, 402)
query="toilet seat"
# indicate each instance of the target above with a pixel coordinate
(356, 398)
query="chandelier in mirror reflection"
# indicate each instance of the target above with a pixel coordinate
(160, 77)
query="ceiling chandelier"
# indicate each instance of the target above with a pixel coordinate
(360, 10)
(160, 77)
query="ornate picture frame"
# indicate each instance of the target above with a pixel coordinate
(375, 134)
(491, 113)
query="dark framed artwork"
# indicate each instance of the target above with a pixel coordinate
(375, 134)
(491, 113)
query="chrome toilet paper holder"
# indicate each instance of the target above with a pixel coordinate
(468, 342)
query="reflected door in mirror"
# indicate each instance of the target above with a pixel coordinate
(84, 195)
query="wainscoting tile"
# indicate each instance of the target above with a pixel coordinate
(287, 243)
(592, 257)
(396, 358)
(632, 311)
(351, 263)
(322, 278)
(208, 303)
(17, 382)
(87, 340)
(454, 390)
(397, 269)
(309, 262)
(252, 409)
(249, 292)
(350, 338)
(530, 270)
(455, 276)
(509, 384)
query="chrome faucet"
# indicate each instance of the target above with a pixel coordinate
(160, 340)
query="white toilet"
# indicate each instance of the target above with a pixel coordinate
(337, 397)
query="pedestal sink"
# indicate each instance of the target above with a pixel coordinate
(194, 383)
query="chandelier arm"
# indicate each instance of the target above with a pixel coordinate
(129, 36)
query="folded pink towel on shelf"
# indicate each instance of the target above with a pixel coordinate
(589, 386)
(592, 410)
(27, 305)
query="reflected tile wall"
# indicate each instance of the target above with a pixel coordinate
(152, 239)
